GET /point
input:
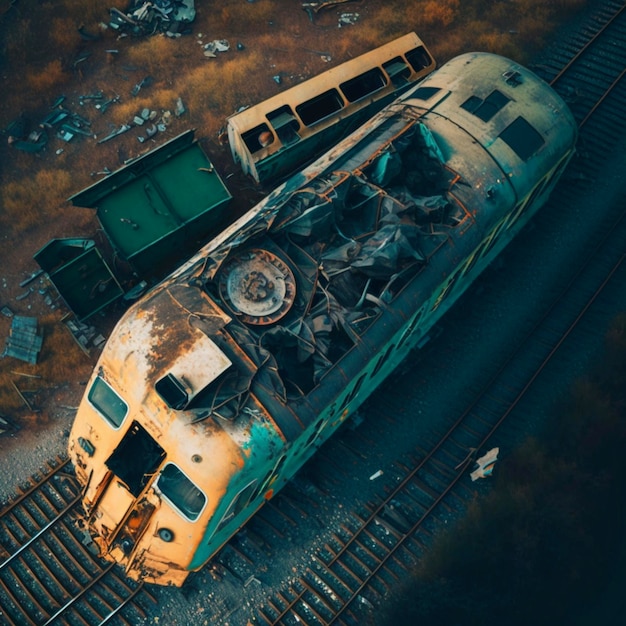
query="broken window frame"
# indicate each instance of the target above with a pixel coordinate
(136, 458)
(181, 501)
(238, 504)
(114, 421)
(363, 85)
(321, 106)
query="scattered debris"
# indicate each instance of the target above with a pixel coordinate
(20, 137)
(83, 56)
(23, 342)
(485, 464)
(315, 7)
(24, 374)
(98, 95)
(32, 277)
(151, 131)
(180, 107)
(146, 82)
(6, 426)
(141, 17)
(25, 294)
(122, 129)
(6, 311)
(217, 45)
(346, 19)
(103, 106)
(136, 292)
(376, 475)
(23, 398)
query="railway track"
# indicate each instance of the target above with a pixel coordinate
(370, 553)
(588, 70)
(47, 573)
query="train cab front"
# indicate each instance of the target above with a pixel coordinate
(149, 476)
(126, 477)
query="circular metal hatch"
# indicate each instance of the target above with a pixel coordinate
(258, 286)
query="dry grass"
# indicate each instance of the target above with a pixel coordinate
(26, 202)
(63, 34)
(161, 55)
(440, 13)
(60, 360)
(159, 100)
(49, 78)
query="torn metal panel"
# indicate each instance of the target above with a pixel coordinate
(24, 342)
(142, 17)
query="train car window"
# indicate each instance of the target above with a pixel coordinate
(181, 492)
(321, 106)
(425, 93)
(363, 84)
(136, 458)
(107, 402)
(487, 108)
(522, 138)
(285, 123)
(398, 71)
(258, 137)
(418, 58)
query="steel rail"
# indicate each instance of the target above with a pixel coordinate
(588, 45)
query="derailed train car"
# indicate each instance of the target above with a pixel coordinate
(217, 386)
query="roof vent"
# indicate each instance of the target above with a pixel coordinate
(173, 391)
(512, 77)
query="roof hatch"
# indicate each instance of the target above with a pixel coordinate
(192, 372)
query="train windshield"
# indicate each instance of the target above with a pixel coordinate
(106, 401)
(136, 458)
(181, 492)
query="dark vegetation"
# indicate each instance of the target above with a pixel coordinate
(548, 536)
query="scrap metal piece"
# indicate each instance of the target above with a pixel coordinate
(102, 107)
(23, 342)
(98, 95)
(122, 129)
(32, 277)
(315, 7)
(145, 82)
(485, 464)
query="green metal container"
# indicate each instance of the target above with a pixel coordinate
(159, 205)
(80, 275)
